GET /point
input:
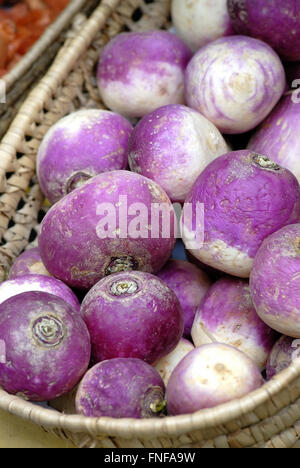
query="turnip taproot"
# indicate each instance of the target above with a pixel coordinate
(235, 82)
(246, 197)
(209, 376)
(116, 221)
(189, 284)
(28, 263)
(284, 352)
(172, 146)
(227, 315)
(132, 314)
(278, 135)
(201, 22)
(141, 71)
(45, 347)
(275, 281)
(167, 364)
(42, 283)
(273, 21)
(80, 146)
(121, 388)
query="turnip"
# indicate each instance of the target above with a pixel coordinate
(45, 347)
(275, 281)
(209, 376)
(132, 315)
(273, 21)
(172, 146)
(121, 388)
(235, 82)
(116, 221)
(278, 135)
(167, 364)
(227, 315)
(141, 71)
(189, 284)
(42, 283)
(201, 22)
(284, 352)
(28, 263)
(80, 146)
(245, 197)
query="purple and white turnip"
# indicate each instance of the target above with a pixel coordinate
(45, 347)
(28, 263)
(275, 281)
(284, 352)
(110, 224)
(121, 388)
(167, 364)
(80, 146)
(141, 71)
(200, 22)
(235, 82)
(190, 284)
(245, 197)
(227, 315)
(132, 315)
(172, 146)
(209, 376)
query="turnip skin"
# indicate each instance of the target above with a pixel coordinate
(45, 346)
(281, 356)
(210, 376)
(121, 388)
(279, 135)
(190, 284)
(172, 145)
(42, 283)
(81, 256)
(235, 82)
(275, 22)
(80, 146)
(167, 364)
(227, 315)
(28, 263)
(246, 198)
(141, 71)
(275, 281)
(132, 315)
(200, 22)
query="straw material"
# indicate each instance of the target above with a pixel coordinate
(268, 417)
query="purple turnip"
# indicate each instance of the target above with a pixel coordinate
(199, 23)
(284, 352)
(167, 364)
(116, 221)
(278, 135)
(121, 388)
(172, 146)
(80, 146)
(209, 376)
(235, 82)
(189, 284)
(28, 263)
(45, 347)
(273, 21)
(227, 315)
(132, 314)
(275, 281)
(246, 197)
(42, 283)
(141, 71)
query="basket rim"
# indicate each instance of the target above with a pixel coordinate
(153, 427)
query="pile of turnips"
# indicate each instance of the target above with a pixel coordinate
(199, 142)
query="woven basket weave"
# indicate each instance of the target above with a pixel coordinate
(268, 417)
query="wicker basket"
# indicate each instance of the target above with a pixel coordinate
(25, 74)
(268, 417)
